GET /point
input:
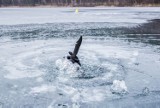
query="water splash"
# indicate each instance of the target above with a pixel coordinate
(66, 67)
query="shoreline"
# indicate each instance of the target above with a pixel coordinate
(54, 6)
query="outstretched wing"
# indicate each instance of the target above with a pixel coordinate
(78, 44)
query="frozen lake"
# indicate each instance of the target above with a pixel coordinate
(11, 16)
(120, 57)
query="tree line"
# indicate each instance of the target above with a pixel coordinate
(78, 2)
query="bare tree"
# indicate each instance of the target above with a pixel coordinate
(77, 2)
(0, 3)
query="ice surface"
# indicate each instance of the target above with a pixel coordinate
(10, 16)
(117, 70)
(145, 91)
(42, 89)
(102, 73)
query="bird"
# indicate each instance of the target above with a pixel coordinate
(73, 55)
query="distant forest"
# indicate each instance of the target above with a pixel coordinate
(78, 2)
